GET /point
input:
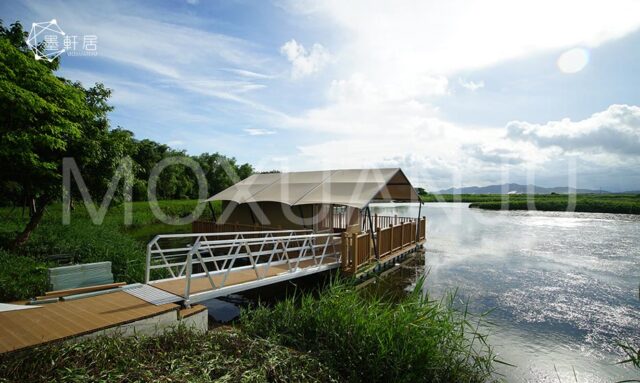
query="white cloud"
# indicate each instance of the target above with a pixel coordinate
(250, 74)
(450, 36)
(471, 85)
(494, 155)
(259, 132)
(614, 131)
(304, 63)
(358, 88)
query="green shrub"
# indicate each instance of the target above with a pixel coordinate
(21, 277)
(368, 339)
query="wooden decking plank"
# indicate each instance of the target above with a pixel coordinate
(62, 320)
(80, 290)
(185, 313)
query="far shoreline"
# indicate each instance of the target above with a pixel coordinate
(584, 203)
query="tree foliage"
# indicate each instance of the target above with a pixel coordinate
(45, 118)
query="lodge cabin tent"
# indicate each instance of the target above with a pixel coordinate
(299, 200)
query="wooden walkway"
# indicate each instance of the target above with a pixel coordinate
(57, 321)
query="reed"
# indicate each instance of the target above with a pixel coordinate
(369, 338)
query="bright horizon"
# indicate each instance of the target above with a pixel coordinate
(454, 94)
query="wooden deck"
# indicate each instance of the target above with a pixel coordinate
(237, 277)
(57, 321)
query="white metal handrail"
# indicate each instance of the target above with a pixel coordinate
(259, 252)
(154, 246)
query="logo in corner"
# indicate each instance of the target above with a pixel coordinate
(48, 41)
(44, 38)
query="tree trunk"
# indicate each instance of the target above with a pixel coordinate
(34, 221)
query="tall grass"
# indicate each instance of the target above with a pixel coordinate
(176, 356)
(372, 339)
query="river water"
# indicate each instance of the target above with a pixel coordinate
(563, 287)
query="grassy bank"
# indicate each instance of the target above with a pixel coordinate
(177, 356)
(23, 271)
(592, 203)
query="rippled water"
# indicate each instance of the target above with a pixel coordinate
(563, 286)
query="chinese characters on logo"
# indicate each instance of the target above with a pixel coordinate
(86, 45)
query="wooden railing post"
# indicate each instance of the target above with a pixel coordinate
(354, 248)
(414, 238)
(380, 242)
(344, 256)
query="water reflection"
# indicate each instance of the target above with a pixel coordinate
(564, 286)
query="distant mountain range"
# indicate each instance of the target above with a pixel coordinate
(514, 188)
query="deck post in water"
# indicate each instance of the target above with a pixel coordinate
(418, 225)
(375, 240)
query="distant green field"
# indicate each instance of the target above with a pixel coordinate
(592, 203)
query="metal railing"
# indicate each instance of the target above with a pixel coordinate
(216, 256)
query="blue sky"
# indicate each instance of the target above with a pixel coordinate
(456, 93)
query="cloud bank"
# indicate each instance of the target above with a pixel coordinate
(615, 131)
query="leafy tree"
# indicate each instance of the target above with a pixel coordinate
(221, 171)
(244, 171)
(44, 118)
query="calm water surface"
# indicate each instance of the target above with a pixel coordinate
(563, 286)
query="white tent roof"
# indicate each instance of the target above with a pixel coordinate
(352, 187)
